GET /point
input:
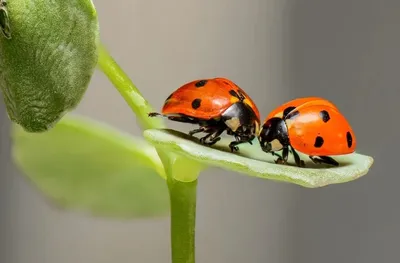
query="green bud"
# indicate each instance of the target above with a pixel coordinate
(48, 53)
(4, 20)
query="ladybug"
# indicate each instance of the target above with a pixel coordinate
(216, 105)
(311, 125)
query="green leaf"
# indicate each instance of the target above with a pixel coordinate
(251, 160)
(48, 61)
(84, 165)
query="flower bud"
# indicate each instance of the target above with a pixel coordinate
(48, 53)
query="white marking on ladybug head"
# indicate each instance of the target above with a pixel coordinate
(233, 123)
(276, 145)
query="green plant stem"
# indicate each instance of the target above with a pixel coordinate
(131, 94)
(182, 194)
(183, 220)
(128, 90)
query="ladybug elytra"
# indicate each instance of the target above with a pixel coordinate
(216, 105)
(311, 125)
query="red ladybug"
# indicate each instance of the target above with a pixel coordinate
(313, 126)
(216, 105)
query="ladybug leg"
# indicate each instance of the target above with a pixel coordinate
(298, 161)
(201, 129)
(283, 159)
(233, 146)
(277, 155)
(212, 137)
(215, 136)
(203, 140)
(324, 159)
(240, 140)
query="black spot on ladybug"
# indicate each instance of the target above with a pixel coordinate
(324, 115)
(196, 103)
(349, 139)
(288, 110)
(234, 93)
(201, 83)
(237, 94)
(292, 115)
(319, 141)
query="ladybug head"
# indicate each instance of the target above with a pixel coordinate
(241, 119)
(273, 135)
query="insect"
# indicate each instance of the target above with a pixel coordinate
(216, 105)
(4, 20)
(311, 125)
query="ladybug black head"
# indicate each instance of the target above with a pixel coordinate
(273, 135)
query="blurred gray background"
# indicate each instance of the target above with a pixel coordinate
(345, 50)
